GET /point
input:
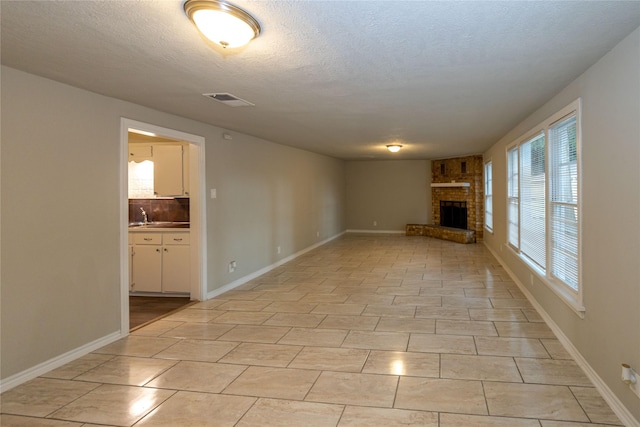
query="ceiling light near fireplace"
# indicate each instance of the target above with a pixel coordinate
(394, 148)
(222, 23)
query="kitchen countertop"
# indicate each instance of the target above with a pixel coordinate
(159, 226)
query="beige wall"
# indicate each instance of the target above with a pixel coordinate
(60, 227)
(268, 195)
(610, 332)
(392, 192)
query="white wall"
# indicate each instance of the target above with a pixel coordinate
(60, 227)
(391, 192)
(610, 332)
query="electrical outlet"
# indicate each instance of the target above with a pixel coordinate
(232, 266)
(375, 223)
(317, 234)
(278, 249)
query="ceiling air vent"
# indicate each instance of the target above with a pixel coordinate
(228, 99)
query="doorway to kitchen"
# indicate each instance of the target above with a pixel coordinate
(167, 235)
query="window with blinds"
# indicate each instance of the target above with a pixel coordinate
(488, 196)
(563, 223)
(513, 198)
(543, 209)
(532, 200)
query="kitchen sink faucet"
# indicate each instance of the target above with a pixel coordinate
(144, 216)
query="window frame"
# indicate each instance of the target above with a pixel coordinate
(513, 241)
(488, 198)
(573, 298)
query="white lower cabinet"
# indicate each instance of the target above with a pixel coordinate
(147, 268)
(160, 262)
(176, 263)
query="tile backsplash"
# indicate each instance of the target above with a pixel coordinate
(159, 209)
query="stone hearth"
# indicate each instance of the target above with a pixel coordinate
(444, 233)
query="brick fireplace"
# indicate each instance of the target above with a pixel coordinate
(459, 180)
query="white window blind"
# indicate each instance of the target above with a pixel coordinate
(488, 195)
(532, 200)
(513, 202)
(563, 224)
(543, 203)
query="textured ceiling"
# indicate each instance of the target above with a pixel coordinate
(342, 78)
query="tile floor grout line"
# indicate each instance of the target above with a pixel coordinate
(332, 272)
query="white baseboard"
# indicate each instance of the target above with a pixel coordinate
(44, 367)
(160, 294)
(247, 278)
(625, 416)
(377, 231)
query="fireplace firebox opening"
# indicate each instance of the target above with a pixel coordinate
(453, 214)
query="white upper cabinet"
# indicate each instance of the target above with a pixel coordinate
(185, 169)
(165, 175)
(140, 152)
(167, 171)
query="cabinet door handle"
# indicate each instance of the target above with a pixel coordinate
(166, 250)
(177, 240)
(147, 239)
(157, 250)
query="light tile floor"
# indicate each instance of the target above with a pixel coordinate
(363, 331)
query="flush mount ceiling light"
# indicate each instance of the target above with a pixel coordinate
(222, 22)
(394, 148)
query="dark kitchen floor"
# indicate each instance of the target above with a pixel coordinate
(146, 309)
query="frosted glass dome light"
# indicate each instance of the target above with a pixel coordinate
(222, 23)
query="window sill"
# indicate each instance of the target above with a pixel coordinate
(566, 296)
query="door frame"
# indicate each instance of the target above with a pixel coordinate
(197, 208)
